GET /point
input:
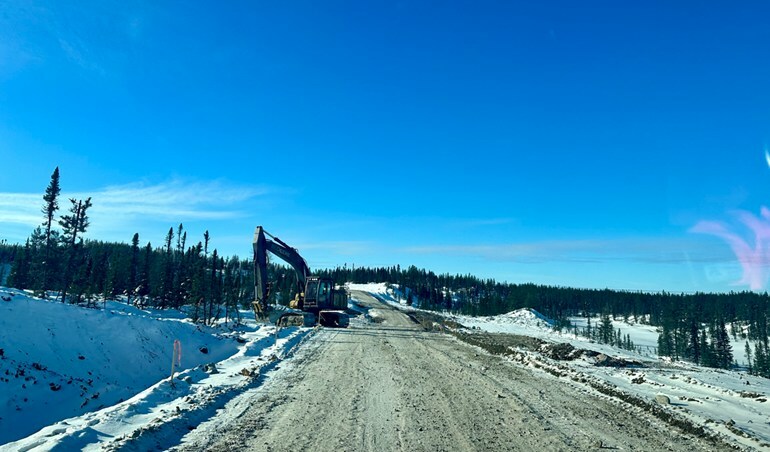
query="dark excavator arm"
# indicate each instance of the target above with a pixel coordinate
(262, 245)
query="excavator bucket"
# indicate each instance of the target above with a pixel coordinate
(259, 314)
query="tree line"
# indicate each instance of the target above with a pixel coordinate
(692, 327)
(57, 261)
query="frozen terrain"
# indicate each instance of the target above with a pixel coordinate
(98, 379)
(89, 377)
(387, 384)
(731, 403)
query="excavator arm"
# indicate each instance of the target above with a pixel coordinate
(317, 297)
(264, 242)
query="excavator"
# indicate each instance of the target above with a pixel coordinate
(317, 299)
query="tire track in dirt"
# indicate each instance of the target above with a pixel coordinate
(392, 386)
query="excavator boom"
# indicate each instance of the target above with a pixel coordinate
(262, 244)
(316, 296)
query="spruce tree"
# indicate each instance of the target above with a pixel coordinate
(19, 276)
(606, 334)
(588, 327)
(665, 344)
(179, 243)
(81, 289)
(761, 361)
(73, 226)
(706, 353)
(37, 262)
(133, 269)
(724, 351)
(143, 288)
(213, 288)
(198, 281)
(228, 283)
(110, 277)
(50, 208)
(169, 240)
(748, 357)
(693, 349)
(167, 283)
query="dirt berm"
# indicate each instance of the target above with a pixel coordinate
(390, 385)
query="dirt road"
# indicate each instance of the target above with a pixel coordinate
(388, 385)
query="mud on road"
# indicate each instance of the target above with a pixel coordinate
(390, 385)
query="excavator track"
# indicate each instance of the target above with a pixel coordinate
(333, 319)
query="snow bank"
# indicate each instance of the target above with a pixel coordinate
(159, 417)
(59, 360)
(523, 321)
(524, 317)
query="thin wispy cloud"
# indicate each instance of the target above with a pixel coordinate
(178, 192)
(20, 208)
(641, 249)
(89, 36)
(78, 53)
(174, 201)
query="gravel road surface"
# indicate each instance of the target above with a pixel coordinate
(388, 385)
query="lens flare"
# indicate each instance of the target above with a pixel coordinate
(767, 156)
(754, 257)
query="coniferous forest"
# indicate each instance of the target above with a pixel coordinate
(59, 261)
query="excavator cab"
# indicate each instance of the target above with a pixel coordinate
(326, 302)
(311, 289)
(318, 293)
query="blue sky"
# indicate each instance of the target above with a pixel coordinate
(555, 142)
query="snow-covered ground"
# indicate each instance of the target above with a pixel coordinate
(87, 379)
(91, 377)
(714, 398)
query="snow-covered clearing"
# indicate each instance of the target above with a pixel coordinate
(724, 402)
(91, 378)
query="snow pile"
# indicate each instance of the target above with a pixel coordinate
(380, 289)
(525, 321)
(524, 317)
(60, 361)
